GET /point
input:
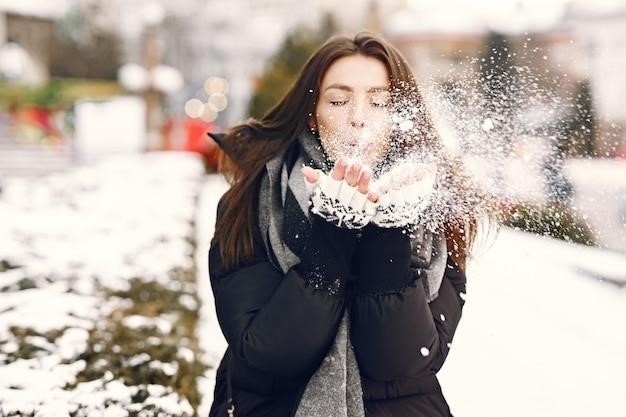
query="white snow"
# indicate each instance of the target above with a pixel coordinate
(540, 335)
(138, 359)
(209, 333)
(487, 124)
(171, 403)
(69, 235)
(72, 343)
(163, 324)
(186, 354)
(188, 302)
(40, 8)
(600, 197)
(168, 369)
(43, 309)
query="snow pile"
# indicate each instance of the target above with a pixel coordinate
(97, 288)
(541, 333)
(209, 333)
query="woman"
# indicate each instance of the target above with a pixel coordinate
(333, 296)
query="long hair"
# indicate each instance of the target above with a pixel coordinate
(248, 146)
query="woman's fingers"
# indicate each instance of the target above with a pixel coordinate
(349, 184)
(406, 174)
(364, 180)
(339, 171)
(312, 178)
(352, 174)
(310, 174)
(358, 200)
(364, 198)
(371, 204)
(373, 196)
(355, 175)
(408, 182)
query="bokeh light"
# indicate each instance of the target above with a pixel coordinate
(218, 101)
(208, 114)
(216, 85)
(194, 108)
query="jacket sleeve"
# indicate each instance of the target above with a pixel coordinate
(280, 323)
(396, 333)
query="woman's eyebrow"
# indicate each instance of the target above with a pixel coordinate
(339, 87)
(347, 88)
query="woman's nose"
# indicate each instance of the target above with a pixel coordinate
(357, 115)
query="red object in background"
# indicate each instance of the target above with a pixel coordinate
(191, 135)
(40, 119)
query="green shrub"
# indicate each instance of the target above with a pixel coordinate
(555, 220)
(58, 93)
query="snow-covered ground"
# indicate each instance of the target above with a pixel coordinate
(600, 197)
(85, 256)
(542, 333)
(209, 333)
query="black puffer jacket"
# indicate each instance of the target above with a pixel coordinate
(280, 326)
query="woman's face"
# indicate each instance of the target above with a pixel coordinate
(352, 111)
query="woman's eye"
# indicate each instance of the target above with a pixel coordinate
(379, 100)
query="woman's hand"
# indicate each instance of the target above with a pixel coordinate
(344, 197)
(404, 192)
(354, 174)
(413, 179)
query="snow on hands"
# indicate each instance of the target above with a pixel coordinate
(342, 197)
(348, 197)
(404, 193)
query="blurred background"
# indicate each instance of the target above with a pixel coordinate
(80, 79)
(107, 189)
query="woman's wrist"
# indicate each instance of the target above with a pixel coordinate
(326, 259)
(384, 257)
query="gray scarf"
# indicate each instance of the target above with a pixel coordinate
(335, 388)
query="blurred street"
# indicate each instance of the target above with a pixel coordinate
(19, 159)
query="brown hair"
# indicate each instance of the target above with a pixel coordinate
(250, 145)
